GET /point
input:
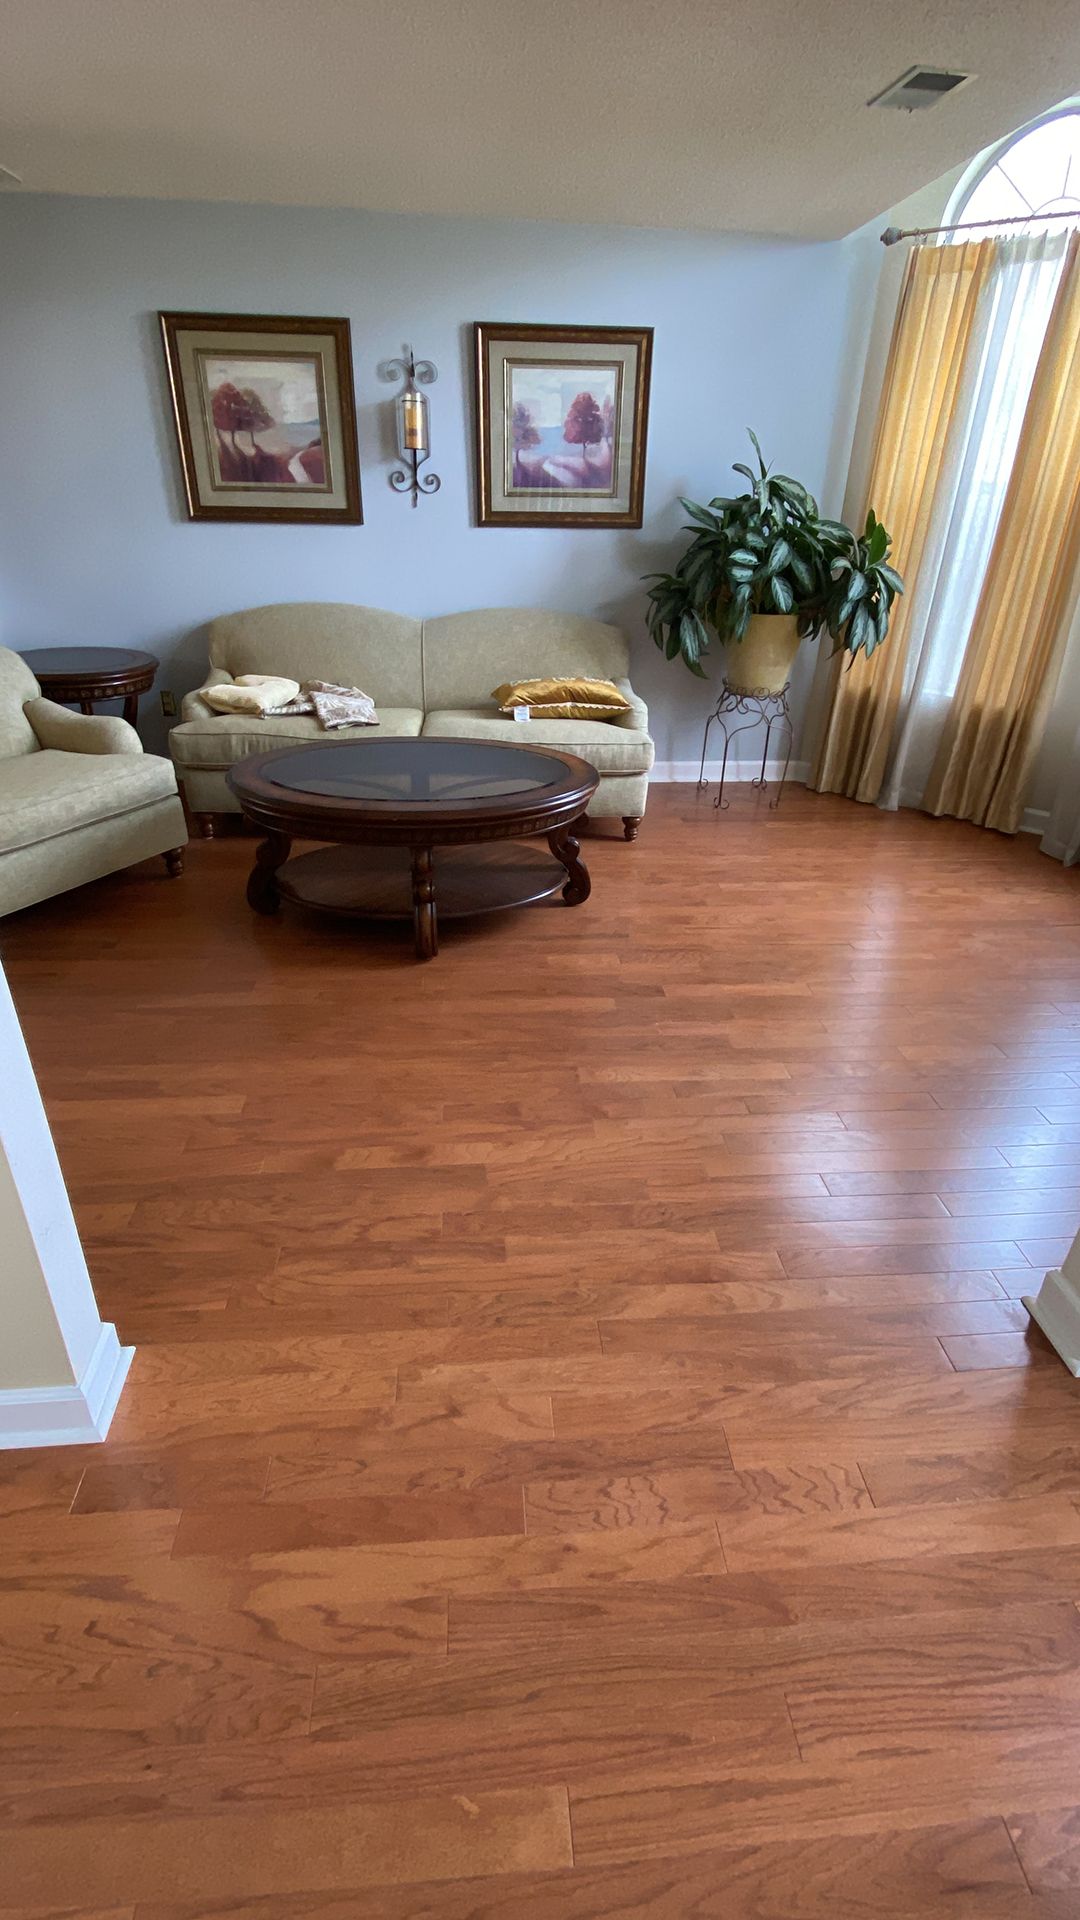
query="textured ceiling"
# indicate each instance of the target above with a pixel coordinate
(740, 114)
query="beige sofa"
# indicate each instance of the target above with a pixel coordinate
(430, 677)
(78, 796)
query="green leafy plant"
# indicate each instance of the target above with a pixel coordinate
(770, 551)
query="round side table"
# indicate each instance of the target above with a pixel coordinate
(80, 675)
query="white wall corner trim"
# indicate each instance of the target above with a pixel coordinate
(69, 1416)
(1056, 1309)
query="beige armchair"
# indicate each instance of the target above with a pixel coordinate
(78, 796)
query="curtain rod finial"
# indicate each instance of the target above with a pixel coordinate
(890, 236)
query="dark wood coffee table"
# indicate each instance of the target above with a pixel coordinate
(387, 805)
(81, 675)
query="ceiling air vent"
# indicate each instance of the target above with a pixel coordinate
(9, 179)
(920, 87)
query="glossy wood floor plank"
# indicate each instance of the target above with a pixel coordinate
(48, 1478)
(667, 1495)
(823, 1592)
(585, 1456)
(1048, 1847)
(662, 1816)
(767, 1540)
(248, 1853)
(745, 1884)
(1019, 1472)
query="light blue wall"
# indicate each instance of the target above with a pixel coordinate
(94, 545)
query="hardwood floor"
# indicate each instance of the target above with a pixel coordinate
(585, 1454)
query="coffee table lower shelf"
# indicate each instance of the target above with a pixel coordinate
(393, 883)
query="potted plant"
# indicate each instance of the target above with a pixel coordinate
(765, 571)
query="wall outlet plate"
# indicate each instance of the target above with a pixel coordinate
(168, 705)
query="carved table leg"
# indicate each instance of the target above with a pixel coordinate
(425, 920)
(205, 824)
(564, 845)
(131, 709)
(630, 825)
(174, 862)
(262, 889)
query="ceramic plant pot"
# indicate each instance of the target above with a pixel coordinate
(762, 660)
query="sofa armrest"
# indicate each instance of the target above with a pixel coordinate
(69, 732)
(193, 706)
(636, 715)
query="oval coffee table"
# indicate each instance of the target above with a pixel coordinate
(387, 805)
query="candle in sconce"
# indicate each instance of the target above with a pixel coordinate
(411, 417)
(414, 422)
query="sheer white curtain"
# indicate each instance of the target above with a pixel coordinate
(982, 440)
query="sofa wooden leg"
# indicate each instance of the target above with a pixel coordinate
(205, 824)
(174, 862)
(630, 824)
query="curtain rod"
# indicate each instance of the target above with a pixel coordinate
(892, 234)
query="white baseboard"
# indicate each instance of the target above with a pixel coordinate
(1056, 1309)
(680, 772)
(1035, 820)
(72, 1416)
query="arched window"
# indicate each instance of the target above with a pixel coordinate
(1036, 171)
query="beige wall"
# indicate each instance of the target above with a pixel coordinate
(49, 1322)
(32, 1350)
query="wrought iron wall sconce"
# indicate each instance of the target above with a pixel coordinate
(411, 407)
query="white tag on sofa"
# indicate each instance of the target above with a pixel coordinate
(521, 713)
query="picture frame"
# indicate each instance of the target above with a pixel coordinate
(561, 424)
(265, 416)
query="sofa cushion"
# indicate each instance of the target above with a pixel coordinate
(606, 745)
(43, 794)
(324, 640)
(220, 739)
(466, 654)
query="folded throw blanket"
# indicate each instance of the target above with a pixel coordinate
(252, 693)
(333, 706)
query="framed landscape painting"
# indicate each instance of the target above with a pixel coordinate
(561, 422)
(265, 416)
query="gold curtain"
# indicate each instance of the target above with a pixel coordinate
(998, 714)
(928, 359)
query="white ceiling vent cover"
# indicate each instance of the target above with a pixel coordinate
(920, 87)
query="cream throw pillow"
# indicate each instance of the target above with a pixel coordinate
(254, 693)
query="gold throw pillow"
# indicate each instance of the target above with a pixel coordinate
(570, 710)
(574, 698)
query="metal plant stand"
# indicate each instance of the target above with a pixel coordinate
(737, 711)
